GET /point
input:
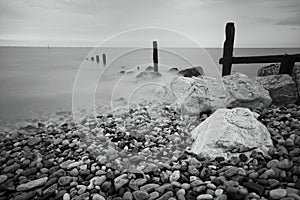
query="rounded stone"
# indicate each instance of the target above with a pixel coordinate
(278, 193)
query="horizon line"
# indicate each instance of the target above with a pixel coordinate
(91, 46)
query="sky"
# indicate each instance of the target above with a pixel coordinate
(258, 23)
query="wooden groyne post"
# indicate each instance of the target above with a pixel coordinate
(104, 59)
(228, 48)
(286, 61)
(97, 58)
(155, 56)
(92, 58)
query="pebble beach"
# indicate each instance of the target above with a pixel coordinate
(143, 154)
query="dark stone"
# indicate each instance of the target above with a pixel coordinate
(25, 196)
(30, 171)
(254, 187)
(219, 159)
(243, 157)
(193, 71)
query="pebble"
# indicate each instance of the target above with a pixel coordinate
(66, 196)
(32, 184)
(278, 193)
(65, 180)
(204, 196)
(140, 195)
(3, 178)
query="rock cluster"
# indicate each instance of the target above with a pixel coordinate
(205, 94)
(62, 164)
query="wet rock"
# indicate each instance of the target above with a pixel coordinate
(140, 195)
(32, 184)
(65, 180)
(3, 178)
(190, 72)
(278, 193)
(34, 141)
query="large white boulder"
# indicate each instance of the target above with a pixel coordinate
(229, 131)
(198, 94)
(245, 92)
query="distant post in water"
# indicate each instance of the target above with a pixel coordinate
(92, 58)
(104, 59)
(97, 58)
(228, 49)
(155, 56)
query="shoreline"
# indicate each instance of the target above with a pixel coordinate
(60, 157)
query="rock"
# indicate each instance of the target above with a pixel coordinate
(174, 176)
(164, 188)
(166, 196)
(25, 196)
(149, 69)
(65, 164)
(65, 180)
(235, 130)
(245, 92)
(66, 196)
(98, 197)
(284, 164)
(32, 184)
(193, 71)
(148, 75)
(204, 196)
(164, 93)
(278, 193)
(140, 195)
(50, 190)
(180, 194)
(231, 171)
(282, 88)
(173, 69)
(218, 192)
(120, 181)
(99, 180)
(3, 178)
(11, 168)
(153, 195)
(33, 141)
(222, 197)
(127, 196)
(198, 94)
(272, 69)
(149, 187)
(74, 172)
(254, 187)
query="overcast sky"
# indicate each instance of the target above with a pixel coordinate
(259, 23)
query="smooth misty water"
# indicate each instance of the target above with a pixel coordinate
(35, 80)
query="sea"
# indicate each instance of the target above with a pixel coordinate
(38, 80)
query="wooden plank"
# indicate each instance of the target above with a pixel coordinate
(260, 59)
(228, 48)
(155, 56)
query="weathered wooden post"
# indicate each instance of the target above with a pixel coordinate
(228, 49)
(92, 58)
(104, 59)
(155, 56)
(97, 58)
(287, 64)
